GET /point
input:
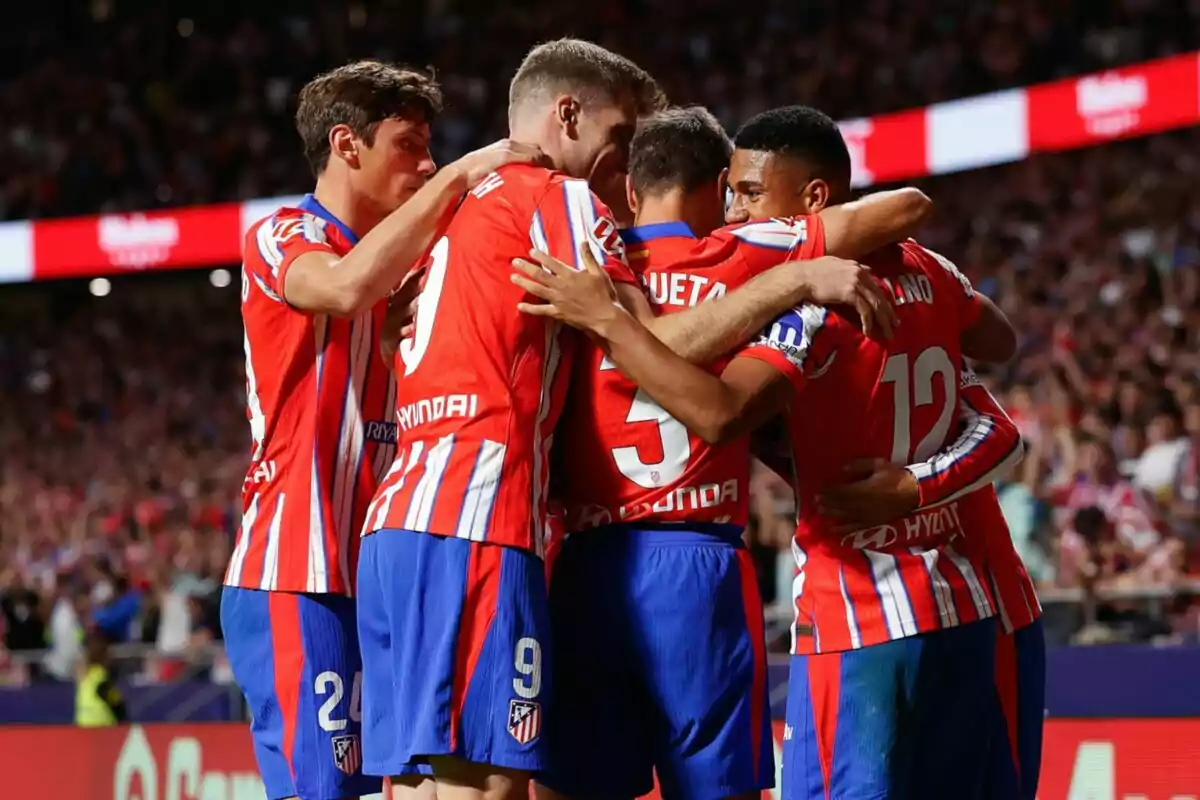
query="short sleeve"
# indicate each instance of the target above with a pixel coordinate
(764, 244)
(800, 344)
(567, 217)
(968, 302)
(276, 243)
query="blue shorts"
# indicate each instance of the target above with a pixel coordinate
(1019, 714)
(454, 634)
(893, 720)
(295, 657)
(660, 664)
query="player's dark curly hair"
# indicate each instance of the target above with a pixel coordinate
(683, 148)
(361, 95)
(803, 133)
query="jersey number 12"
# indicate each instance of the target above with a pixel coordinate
(912, 385)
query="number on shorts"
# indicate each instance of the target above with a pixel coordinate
(672, 434)
(330, 683)
(913, 389)
(412, 350)
(528, 662)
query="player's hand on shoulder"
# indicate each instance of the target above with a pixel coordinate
(583, 298)
(480, 163)
(832, 281)
(878, 491)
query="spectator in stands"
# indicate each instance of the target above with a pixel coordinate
(65, 632)
(23, 613)
(1158, 466)
(115, 615)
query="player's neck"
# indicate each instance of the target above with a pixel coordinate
(674, 206)
(534, 129)
(339, 199)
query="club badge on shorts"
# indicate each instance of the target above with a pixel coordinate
(347, 754)
(524, 720)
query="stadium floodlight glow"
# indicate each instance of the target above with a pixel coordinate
(100, 287)
(220, 278)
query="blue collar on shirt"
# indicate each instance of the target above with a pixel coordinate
(658, 230)
(312, 206)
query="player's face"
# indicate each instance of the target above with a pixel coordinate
(397, 163)
(598, 150)
(766, 185)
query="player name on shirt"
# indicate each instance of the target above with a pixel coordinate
(910, 288)
(680, 290)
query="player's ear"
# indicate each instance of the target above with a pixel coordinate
(566, 113)
(816, 195)
(343, 145)
(631, 195)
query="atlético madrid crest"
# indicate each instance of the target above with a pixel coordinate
(347, 754)
(524, 720)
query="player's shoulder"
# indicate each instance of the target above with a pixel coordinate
(288, 223)
(525, 188)
(272, 237)
(933, 263)
(776, 233)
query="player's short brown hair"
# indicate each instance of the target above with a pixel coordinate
(678, 148)
(361, 95)
(574, 65)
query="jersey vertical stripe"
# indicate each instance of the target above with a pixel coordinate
(484, 384)
(860, 398)
(318, 403)
(1014, 592)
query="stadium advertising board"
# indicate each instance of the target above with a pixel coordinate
(1093, 759)
(1137, 100)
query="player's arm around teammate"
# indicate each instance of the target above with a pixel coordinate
(319, 282)
(718, 409)
(711, 329)
(989, 445)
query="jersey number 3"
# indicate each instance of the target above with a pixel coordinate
(672, 435)
(912, 385)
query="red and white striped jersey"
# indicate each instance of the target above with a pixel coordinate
(643, 464)
(320, 402)
(1016, 598)
(860, 398)
(482, 384)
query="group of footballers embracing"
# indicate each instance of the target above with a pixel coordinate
(455, 373)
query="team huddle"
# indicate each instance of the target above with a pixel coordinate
(503, 415)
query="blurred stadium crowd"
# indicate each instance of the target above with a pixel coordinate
(123, 433)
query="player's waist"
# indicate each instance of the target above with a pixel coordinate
(659, 533)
